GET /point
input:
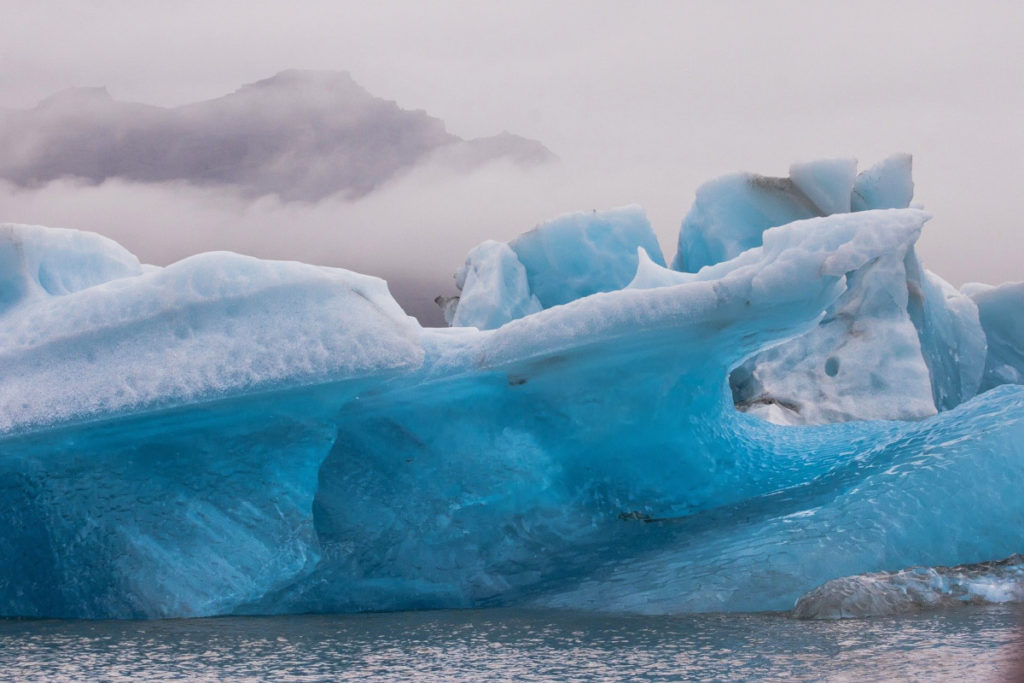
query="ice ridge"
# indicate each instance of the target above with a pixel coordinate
(234, 436)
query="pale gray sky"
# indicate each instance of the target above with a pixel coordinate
(641, 101)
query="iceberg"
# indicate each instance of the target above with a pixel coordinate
(494, 288)
(888, 184)
(731, 214)
(953, 342)
(835, 372)
(38, 262)
(934, 345)
(1001, 313)
(227, 435)
(908, 590)
(567, 258)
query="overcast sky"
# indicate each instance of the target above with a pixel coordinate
(641, 102)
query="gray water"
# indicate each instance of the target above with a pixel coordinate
(970, 643)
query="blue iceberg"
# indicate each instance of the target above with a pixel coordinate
(909, 590)
(234, 436)
(564, 259)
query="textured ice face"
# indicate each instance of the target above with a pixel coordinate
(953, 343)
(908, 590)
(899, 344)
(209, 326)
(494, 288)
(827, 183)
(579, 254)
(886, 185)
(229, 435)
(835, 372)
(731, 213)
(37, 261)
(1001, 310)
(564, 259)
(934, 347)
(190, 512)
(872, 496)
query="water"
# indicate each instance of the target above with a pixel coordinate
(971, 643)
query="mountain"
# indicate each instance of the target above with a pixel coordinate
(302, 135)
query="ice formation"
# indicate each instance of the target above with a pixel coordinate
(567, 258)
(934, 344)
(37, 262)
(908, 590)
(494, 288)
(1001, 310)
(228, 435)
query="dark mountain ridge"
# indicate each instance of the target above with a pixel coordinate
(302, 135)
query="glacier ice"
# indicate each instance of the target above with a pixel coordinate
(494, 288)
(934, 344)
(834, 372)
(582, 253)
(953, 342)
(730, 214)
(234, 436)
(907, 590)
(206, 327)
(566, 258)
(889, 184)
(828, 183)
(1001, 311)
(37, 261)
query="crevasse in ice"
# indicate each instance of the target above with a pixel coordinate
(228, 435)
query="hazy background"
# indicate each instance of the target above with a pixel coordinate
(641, 102)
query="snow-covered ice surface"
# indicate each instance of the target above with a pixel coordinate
(934, 346)
(228, 435)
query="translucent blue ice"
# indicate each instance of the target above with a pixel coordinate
(1001, 311)
(566, 258)
(228, 435)
(579, 254)
(494, 288)
(731, 213)
(915, 588)
(953, 343)
(934, 346)
(886, 185)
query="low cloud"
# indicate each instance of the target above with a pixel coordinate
(304, 165)
(414, 231)
(289, 184)
(301, 135)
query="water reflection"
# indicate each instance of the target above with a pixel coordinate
(975, 643)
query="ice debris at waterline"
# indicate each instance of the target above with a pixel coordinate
(908, 590)
(233, 436)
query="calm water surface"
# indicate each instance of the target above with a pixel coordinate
(972, 644)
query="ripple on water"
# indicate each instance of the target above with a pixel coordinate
(976, 643)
